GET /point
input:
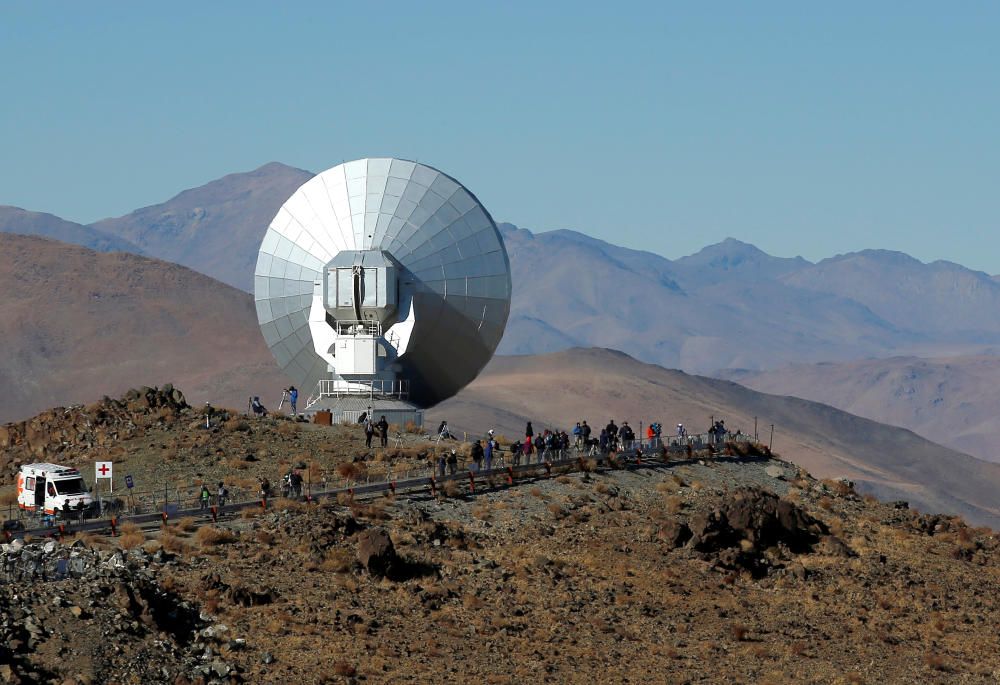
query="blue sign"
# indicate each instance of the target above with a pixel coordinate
(128, 482)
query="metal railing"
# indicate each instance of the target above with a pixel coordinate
(372, 388)
(183, 502)
(367, 328)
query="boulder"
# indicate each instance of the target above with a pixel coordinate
(376, 552)
(674, 533)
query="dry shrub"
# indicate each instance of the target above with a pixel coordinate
(173, 544)
(236, 425)
(798, 648)
(187, 524)
(337, 560)
(697, 486)
(344, 499)
(343, 668)
(739, 631)
(935, 662)
(347, 471)
(556, 510)
(839, 487)
(471, 601)
(288, 428)
(482, 513)
(265, 537)
(451, 489)
(210, 536)
(413, 428)
(564, 480)
(283, 504)
(825, 503)
(128, 527)
(536, 492)
(675, 504)
(131, 539)
(89, 540)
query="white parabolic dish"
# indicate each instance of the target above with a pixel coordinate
(451, 268)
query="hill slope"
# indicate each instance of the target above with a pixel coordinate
(561, 388)
(949, 400)
(216, 228)
(729, 306)
(76, 324)
(23, 222)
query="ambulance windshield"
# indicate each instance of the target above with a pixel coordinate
(73, 486)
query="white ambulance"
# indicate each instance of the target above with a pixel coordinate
(46, 488)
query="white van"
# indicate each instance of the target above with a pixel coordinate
(47, 488)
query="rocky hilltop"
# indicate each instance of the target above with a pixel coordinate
(709, 568)
(64, 434)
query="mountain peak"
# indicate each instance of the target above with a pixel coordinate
(734, 255)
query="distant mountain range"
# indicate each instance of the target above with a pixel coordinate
(728, 306)
(730, 310)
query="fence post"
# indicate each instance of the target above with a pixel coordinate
(433, 487)
(472, 483)
(510, 475)
(114, 526)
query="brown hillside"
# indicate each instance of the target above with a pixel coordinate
(950, 400)
(561, 388)
(77, 324)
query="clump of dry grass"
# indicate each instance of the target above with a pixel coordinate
(413, 428)
(451, 489)
(8, 496)
(337, 560)
(236, 425)
(173, 543)
(187, 524)
(288, 428)
(131, 536)
(739, 631)
(210, 536)
(840, 488)
(936, 662)
(675, 504)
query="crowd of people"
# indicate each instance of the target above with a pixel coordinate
(551, 444)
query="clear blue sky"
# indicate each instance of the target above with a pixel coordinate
(804, 128)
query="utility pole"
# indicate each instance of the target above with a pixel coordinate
(755, 429)
(771, 441)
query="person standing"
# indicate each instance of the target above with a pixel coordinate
(205, 497)
(488, 454)
(383, 431)
(529, 432)
(221, 495)
(442, 462)
(453, 462)
(293, 399)
(369, 432)
(477, 454)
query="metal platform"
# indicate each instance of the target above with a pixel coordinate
(349, 408)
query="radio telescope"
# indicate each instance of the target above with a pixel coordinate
(384, 284)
